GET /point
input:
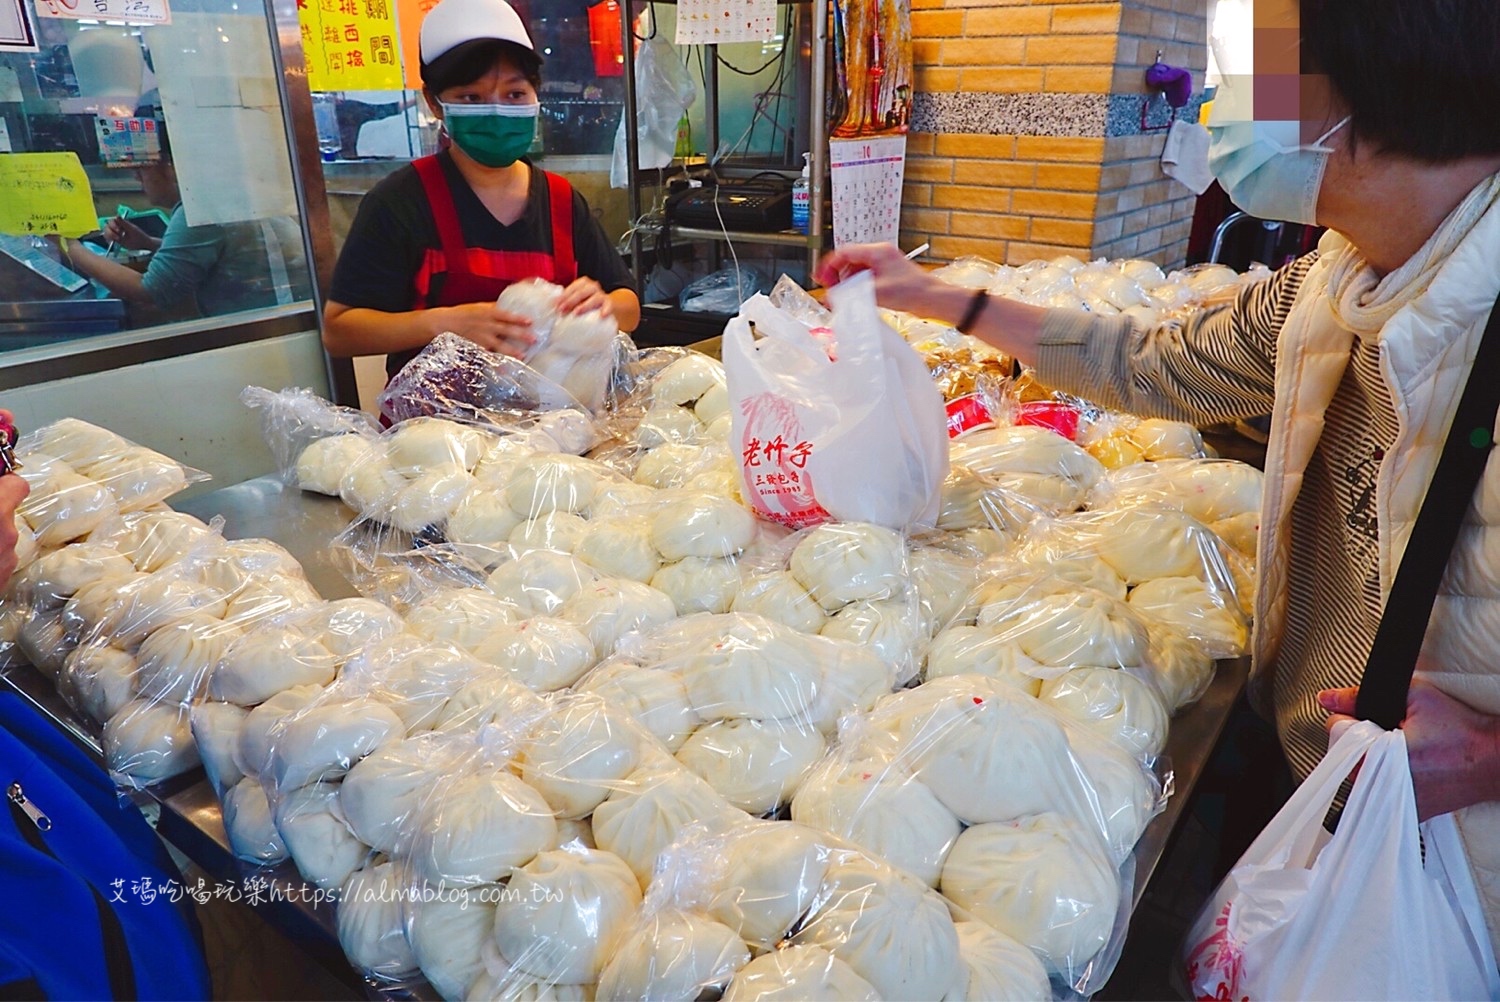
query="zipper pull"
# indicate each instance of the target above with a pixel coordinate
(18, 797)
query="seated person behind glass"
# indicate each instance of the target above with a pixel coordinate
(435, 243)
(196, 271)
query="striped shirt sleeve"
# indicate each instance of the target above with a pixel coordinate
(1216, 365)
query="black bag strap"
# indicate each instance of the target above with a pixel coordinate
(1398, 640)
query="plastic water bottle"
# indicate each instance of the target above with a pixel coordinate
(802, 195)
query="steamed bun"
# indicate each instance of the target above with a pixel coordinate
(654, 697)
(891, 928)
(799, 972)
(567, 912)
(772, 874)
(538, 582)
(1043, 880)
(448, 934)
(321, 466)
(646, 813)
(475, 828)
(424, 444)
(756, 764)
(998, 967)
(247, 820)
(312, 826)
(542, 653)
(673, 955)
(1114, 704)
(779, 597)
(620, 548)
(148, 741)
(839, 564)
(701, 525)
(370, 927)
(579, 756)
(610, 608)
(879, 807)
(699, 584)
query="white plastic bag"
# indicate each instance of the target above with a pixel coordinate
(1359, 914)
(855, 433)
(664, 92)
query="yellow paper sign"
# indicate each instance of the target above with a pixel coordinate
(45, 193)
(350, 44)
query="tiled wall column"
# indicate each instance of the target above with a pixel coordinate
(1027, 137)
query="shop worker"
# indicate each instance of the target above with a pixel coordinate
(1364, 346)
(195, 271)
(435, 243)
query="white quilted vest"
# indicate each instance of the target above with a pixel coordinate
(1427, 348)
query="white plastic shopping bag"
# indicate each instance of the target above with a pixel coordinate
(1356, 915)
(853, 429)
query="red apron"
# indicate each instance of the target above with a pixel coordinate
(474, 274)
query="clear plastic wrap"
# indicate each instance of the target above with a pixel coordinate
(671, 954)
(69, 450)
(847, 581)
(1179, 574)
(952, 781)
(369, 922)
(1036, 463)
(311, 440)
(807, 896)
(969, 272)
(455, 377)
(63, 505)
(152, 539)
(744, 702)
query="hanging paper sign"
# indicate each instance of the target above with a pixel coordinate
(348, 44)
(866, 176)
(45, 193)
(17, 33)
(129, 11)
(128, 142)
(409, 14)
(713, 22)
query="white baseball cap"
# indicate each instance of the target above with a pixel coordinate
(453, 22)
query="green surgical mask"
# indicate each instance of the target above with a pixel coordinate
(495, 135)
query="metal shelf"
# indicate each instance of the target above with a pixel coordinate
(810, 29)
(781, 238)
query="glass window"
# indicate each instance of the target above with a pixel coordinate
(582, 92)
(166, 143)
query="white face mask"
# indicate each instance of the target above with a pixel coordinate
(1264, 166)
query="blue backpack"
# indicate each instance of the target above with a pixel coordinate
(73, 858)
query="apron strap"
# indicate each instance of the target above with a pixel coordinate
(444, 214)
(560, 193)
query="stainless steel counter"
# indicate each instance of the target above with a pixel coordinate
(304, 524)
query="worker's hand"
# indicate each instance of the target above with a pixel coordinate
(899, 284)
(585, 294)
(128, 235)
(13, 491)
(1453, 749)
(487, 326)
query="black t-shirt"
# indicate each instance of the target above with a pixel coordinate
(394, 229)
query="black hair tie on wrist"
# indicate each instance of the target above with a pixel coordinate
(977, 303)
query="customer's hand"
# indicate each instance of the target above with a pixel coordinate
(128, 235)
(899, 284)
(13, 490)
(486, 325)
(1454, 749)
(585, 294)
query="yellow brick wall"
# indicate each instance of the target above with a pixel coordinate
(1017, 197)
